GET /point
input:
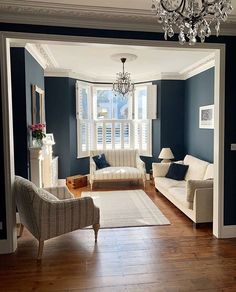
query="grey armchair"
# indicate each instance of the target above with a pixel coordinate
(48, 213)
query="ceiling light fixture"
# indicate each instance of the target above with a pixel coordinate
(193, 18)
(123, 84)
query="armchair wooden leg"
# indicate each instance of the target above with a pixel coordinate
(96, 228)
(91, 186)
(21, 230)
(40, 249)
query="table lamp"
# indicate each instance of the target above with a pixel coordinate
(166, 155)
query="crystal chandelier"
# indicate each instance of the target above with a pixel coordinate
(193, 18)
(123, 84)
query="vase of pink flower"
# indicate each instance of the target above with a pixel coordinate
(38, 133)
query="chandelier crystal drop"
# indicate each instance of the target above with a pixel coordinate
(192, 18)
(123, 84)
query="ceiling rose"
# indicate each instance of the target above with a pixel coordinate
(128, 57)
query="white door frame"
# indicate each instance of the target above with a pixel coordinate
(219, 100)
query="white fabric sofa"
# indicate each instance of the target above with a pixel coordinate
(125, 165)
(194, 195)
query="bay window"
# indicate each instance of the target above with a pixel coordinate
(108, 121)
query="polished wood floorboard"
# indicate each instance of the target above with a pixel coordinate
(176, 257)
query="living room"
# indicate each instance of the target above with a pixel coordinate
(182, 91)
(118, 261)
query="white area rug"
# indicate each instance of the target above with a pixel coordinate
(126, 209)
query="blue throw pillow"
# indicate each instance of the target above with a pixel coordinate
(100, 161)
(177, 171)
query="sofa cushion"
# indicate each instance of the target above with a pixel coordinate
(209, 172)
(101, 161)
(118, 173)
(179, 194)
(160, 169)
(167, 183)
(177, 171)
(197, 167)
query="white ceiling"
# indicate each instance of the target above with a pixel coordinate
(93, 61)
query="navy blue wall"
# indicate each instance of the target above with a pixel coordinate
(57, 112)
(230, 89)
(60, 102)
(199, 91)
(25, 72)
(172, 116)
(19, 111)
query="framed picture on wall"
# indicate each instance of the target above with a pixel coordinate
(206, 117)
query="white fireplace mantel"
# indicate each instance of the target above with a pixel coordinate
(43, 166)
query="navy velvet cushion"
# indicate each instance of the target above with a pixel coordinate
(177, 171)
(100, 161)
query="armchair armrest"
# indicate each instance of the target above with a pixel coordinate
(61, 192)
(140, 164)
(194, 185)
(92, 165)
(203, 205)
(160, 169)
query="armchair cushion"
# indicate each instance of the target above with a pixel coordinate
(46, 195)
(101, 161)
(177, 171)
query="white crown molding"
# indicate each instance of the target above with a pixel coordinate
(33, 50)
(43, 13)
(198, 67)
(47, 55)
(68, 73)
(41, 53)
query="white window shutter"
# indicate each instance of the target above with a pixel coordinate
(83, 125)
(151, 102)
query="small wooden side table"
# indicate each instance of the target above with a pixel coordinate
(77, 181)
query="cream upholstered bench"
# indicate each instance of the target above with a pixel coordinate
(124, 165)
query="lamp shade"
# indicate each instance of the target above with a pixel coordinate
(166, 153)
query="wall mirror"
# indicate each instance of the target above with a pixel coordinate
(38, 105)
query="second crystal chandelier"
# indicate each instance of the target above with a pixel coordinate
(123, 84)
(192, 17)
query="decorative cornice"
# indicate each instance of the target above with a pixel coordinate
(47, 55)
(198, 67)
(41, 53)
(42, 13)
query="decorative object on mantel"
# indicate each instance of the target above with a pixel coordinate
(123, 84)
(166, 155)
(192, 18)
(49, 139)
(37, 134)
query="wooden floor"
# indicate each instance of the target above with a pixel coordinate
(161, 258)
